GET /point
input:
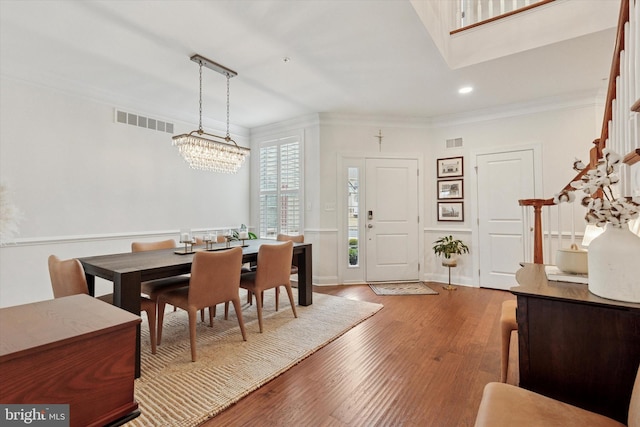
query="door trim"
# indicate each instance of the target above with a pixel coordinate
(353, 157)
(474, 196)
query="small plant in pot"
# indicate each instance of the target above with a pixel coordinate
(449, 247)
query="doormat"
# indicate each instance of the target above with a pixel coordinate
(402, 288)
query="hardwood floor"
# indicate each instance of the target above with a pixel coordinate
(420, 361)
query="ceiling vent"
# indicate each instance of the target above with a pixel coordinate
(143, 122)
(454, 143)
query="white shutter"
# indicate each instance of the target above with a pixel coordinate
(280, 190)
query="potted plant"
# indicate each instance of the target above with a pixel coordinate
(448, 247)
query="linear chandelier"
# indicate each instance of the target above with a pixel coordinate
(207, 151)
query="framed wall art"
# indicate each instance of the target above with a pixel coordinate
(451, 211)
(450, 167)
(450, 189)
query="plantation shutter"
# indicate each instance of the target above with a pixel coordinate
(280, 189)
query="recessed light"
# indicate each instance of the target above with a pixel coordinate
(286, 59)
(465, 89)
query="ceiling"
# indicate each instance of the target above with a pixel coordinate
(350, 56)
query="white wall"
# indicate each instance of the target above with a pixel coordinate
(562, 130)
(87, 185)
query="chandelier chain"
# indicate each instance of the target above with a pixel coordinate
(200, 124)
(228, 135)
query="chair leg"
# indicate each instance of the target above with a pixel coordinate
(226, 310)
(249, 298)
(293, 304)
(238, 309)
(161, 305)
(506, 344)
(151, 317)
(277, 297)
(259, 307)
(212, 314)
(192, 333)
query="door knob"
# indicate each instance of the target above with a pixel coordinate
(369, 225)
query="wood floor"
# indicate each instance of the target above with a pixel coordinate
(420, 361)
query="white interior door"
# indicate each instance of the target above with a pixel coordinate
(391, 219)
(503, 179)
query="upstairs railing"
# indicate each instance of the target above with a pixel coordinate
(620, 127)
(471, 13)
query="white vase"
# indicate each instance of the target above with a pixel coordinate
(614, 264)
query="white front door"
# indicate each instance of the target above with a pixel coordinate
(503, 179)
(391, 220)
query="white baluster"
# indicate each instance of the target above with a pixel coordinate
(549, 238)
(635, 16)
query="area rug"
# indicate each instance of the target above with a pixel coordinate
(402, 288)
(174, 391)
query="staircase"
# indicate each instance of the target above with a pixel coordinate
(620, 132)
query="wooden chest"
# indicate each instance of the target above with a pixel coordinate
(75, 350)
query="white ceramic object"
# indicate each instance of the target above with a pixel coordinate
(572, 260)
(614, 265)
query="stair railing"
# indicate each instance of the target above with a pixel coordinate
(620, 127)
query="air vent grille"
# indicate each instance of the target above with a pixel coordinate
(454, 143)
(143, 122)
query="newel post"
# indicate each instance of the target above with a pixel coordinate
(537, 225)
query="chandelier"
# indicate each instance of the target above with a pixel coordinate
(206, 151)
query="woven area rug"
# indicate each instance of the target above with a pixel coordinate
(173, 391)
(402, 288)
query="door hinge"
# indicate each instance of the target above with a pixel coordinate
(418, 266)
(418, 219)
(418, 172)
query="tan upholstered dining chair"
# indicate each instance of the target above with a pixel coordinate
(153, 287)
(508, 324)
(215, 279)
(67, 278)
(294, 263)
(273, 270)
(505, 405)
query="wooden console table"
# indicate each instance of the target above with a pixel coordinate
(75, 350)
(575, 346)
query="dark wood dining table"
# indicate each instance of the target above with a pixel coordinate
(128, 270)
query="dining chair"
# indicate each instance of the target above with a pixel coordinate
(273, 270)
(215, 279)
(506, 405)
(294, 262)
(67, 278)
(153, 287)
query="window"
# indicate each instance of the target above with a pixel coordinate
(280, 188)
(353, 194)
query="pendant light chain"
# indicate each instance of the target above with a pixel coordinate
(200, 125)
(228, 135)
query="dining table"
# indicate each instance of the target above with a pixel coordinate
(128, 270)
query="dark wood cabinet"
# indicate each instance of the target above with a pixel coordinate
(75, 350)
(574, 346)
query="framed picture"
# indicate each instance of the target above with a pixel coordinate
(450, 211)
(450, 167)
(450, 189)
